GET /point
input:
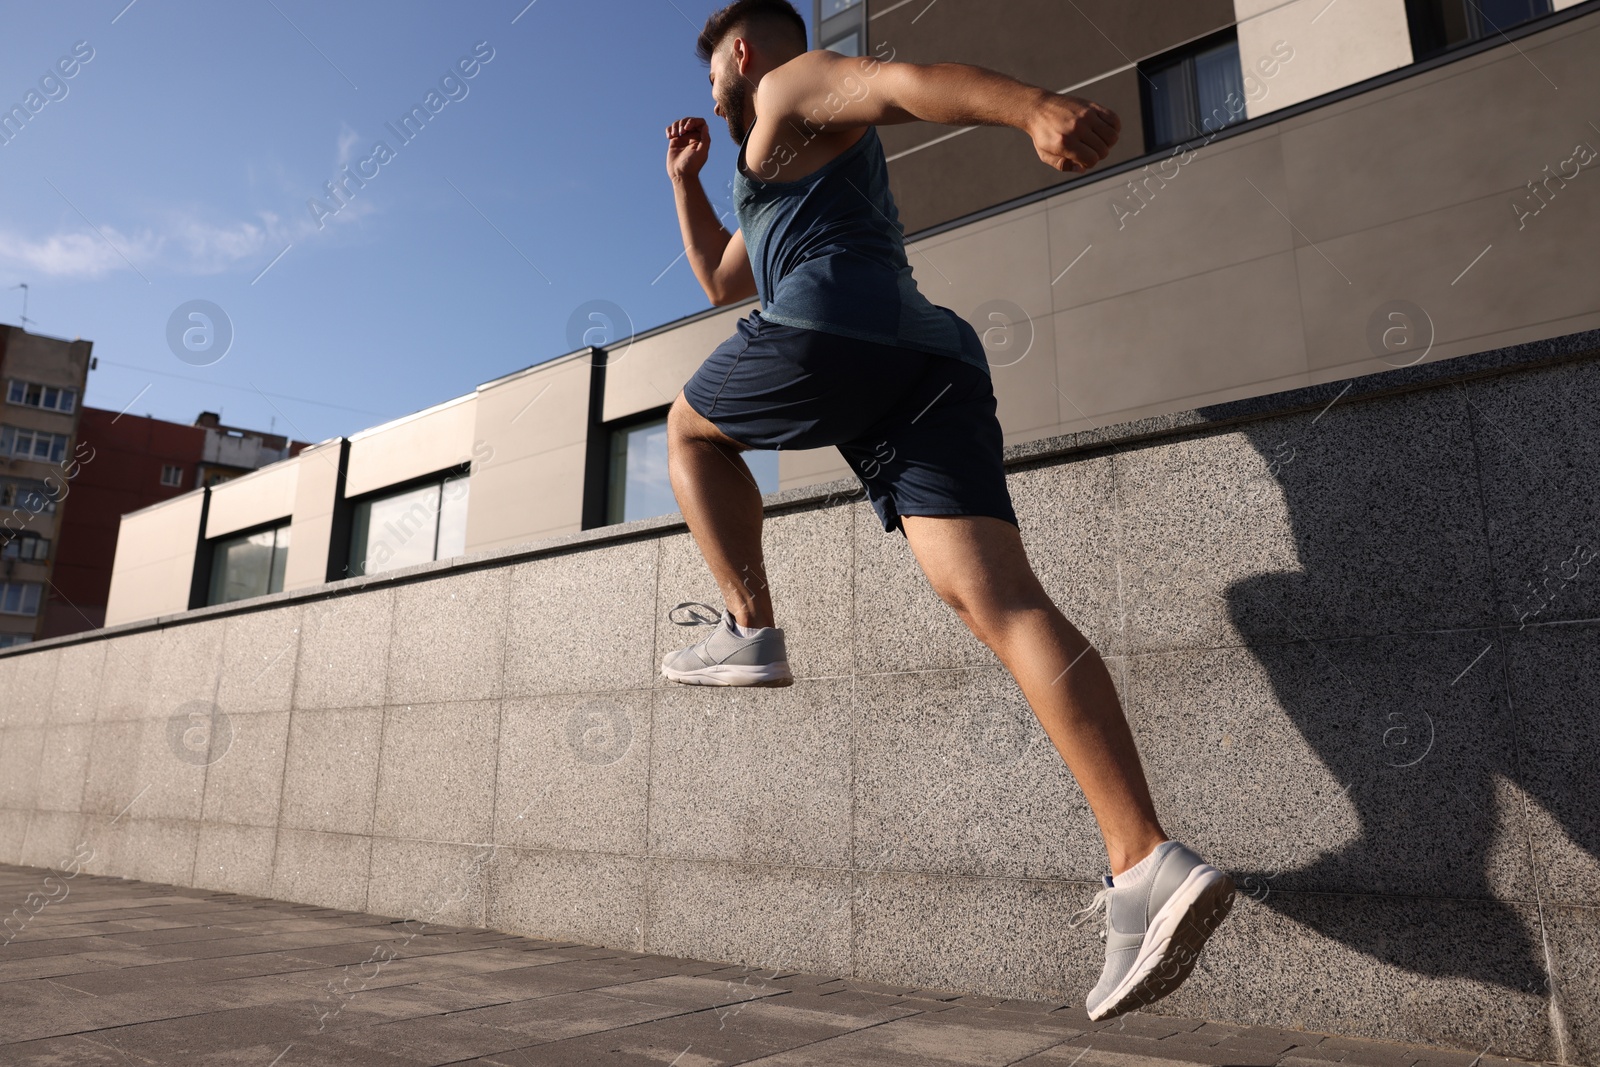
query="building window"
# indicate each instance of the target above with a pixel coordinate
(19, 598)
(1192, 91)
(46, 397)
(26, 546)
(417, 525)
(32, 444)
(249, 565)
(171, 475)
(27, 496)
(11, 640)
(1439, 25)
(637, 485)
(842, 26)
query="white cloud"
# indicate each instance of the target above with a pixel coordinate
(187, 242)
(347, 143)
(76, 254)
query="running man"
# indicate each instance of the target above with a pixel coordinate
(845, 351)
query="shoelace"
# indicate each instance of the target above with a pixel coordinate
(1101, 899)
(696, 618)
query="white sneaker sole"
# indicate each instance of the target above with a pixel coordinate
(1172, 944)
(772, 674)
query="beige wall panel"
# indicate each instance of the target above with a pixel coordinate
(316, 489)
(1328, 46)
(986, 273)
(528, 481)
(1156, 349)
(429, 441)
(1412, 147)
(650, 372)
(527, 499)
(154, 564)
(262, 496)
(1538, 275)
(1178, 219)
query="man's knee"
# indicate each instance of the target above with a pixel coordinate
(990, 604)
(686, 424)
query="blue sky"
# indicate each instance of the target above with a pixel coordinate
(177, 163)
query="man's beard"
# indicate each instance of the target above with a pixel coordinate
(734, 104)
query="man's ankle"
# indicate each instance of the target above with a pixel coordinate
(1125, 857)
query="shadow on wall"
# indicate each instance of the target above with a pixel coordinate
(1391, 653)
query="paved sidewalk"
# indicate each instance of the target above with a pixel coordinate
(113, 972)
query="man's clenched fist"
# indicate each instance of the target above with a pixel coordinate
(688, 145)
(1071, 133)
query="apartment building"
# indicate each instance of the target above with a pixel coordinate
(131, 462)
(43, 379)
(1304, 192)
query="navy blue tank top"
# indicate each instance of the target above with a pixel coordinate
(828, 253)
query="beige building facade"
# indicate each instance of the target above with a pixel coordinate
(1346, 219)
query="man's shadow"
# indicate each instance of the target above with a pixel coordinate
(1413, 728)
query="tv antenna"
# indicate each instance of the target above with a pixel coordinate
(24, 287)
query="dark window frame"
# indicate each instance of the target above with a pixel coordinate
(829, 31)
(410, 485)
(1431, 31)
(63, 393)
(1184, 57)
(24, 585)
(12, 547)
(609, 433)
(208, 559)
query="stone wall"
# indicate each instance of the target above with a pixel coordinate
(1355, 628)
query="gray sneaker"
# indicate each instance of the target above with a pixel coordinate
(724, 658)
(1156, 928)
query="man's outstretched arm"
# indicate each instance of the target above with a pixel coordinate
(719, 259)
(828, 91)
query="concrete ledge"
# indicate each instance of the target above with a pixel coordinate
(1460, 369)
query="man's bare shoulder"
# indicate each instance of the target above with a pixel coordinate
(821, 85)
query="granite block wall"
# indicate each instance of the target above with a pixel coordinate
(1358, 643)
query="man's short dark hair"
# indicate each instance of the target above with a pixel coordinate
(779, 15)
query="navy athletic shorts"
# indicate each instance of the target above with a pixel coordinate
(918, 428)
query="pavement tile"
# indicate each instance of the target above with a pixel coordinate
(72, 1051)
(868, 986)
(693, 993)
(431, 1040)
(564, 1015)
(852, 1004)
(1159, 1027)
(23, 949)
(176, 974)
(1029, 1007)
(737, 1033)
(562, 976)
(928, 1041)
(1370, 1053)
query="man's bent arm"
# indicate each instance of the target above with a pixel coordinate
(719, 261)
(828, 91)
